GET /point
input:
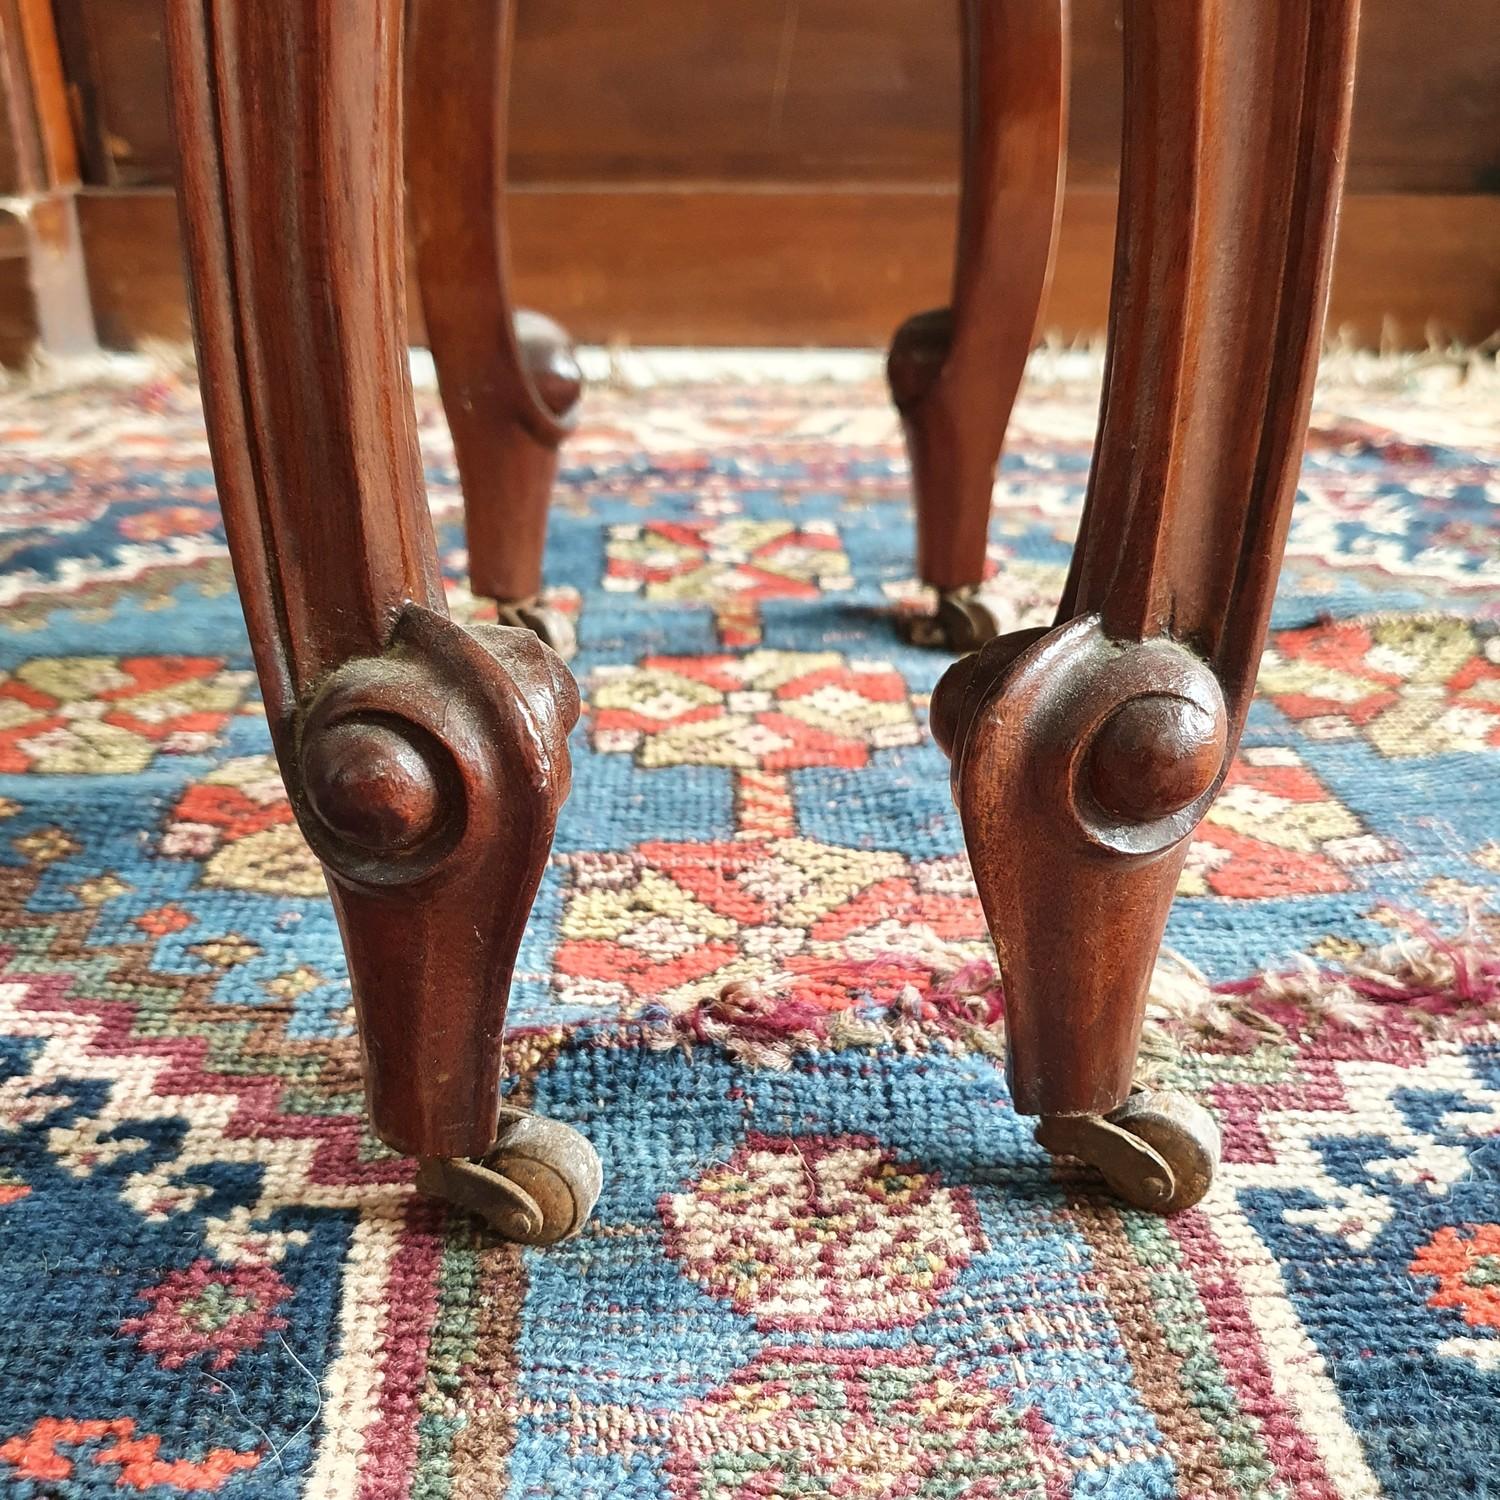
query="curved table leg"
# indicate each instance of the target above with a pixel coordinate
(425, 764)
(509, 381)
(954, 373)
(1083, 758)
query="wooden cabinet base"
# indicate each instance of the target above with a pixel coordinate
(792, 266)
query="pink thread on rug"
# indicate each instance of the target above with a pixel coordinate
(1435, 975)
(767, 1021)
(760, 1023)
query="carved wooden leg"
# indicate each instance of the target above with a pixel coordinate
(425, 764)
(954, 373)
(509, 381)
(1084, 757)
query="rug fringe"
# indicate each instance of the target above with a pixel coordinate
(1465, 373)
(1446, 982)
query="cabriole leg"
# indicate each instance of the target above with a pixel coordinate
(509, 381)
(425, 764)
(954, 373)
(1084, 757)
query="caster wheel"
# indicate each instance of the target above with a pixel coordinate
(537, 1185)
(550, 626)
(1157, 1151)
(962, 623)
(1183, 1134)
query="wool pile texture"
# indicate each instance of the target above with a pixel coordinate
(829, 1259)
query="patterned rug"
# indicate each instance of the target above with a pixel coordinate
(829, 1261)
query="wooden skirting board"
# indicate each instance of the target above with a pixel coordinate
(787, 264)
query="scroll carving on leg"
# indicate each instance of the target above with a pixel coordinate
(1081, 766)
(1084, 757)
(425, 763)
(954, 372)
(509, 380)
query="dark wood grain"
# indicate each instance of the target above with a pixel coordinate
(510, 385)
(425, 764)
(1084, 759)
(731, 267)
(954, 374)
(1214, 325)
(828, 91)
(292, 209)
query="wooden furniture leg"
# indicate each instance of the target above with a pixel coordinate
(425, 764)
(954, 373)
(509, 381)
(1084, 757)
(44, 294)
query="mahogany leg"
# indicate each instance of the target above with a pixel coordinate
(1084, 757)
(425, 764)
(509, 381)
(954, 373)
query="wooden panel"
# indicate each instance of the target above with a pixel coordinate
(824, 90)
(133, 249)
(786, 265)
(861, 90)
(1427, 117)
(1410, 266)
(115, 55)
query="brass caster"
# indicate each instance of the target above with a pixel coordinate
(550, 626)
(963, 622)
(537, 1185)
(1157, 1151)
